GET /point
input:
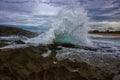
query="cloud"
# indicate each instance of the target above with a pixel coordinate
(98, 4)
(105, 24)
(45, 9)
(100, 10)
(15, 6)
(27, 14)
(30, 12)
(23, 19)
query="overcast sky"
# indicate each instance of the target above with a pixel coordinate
(98, 10)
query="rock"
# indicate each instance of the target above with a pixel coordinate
(69, 45)
(5, 43)
(10, 31)
(19, 42)
(28, 64)
(116, 77)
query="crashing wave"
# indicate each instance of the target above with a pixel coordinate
(68, 26)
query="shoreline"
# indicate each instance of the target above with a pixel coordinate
(31, 63)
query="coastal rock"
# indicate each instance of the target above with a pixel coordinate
(3, 43)
(29, 64)
(10, 31)
(19, 42)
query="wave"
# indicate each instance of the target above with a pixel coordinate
(68, 26)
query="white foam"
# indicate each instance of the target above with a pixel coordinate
(46, 54)
(14, 46)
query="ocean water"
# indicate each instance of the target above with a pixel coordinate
(106, 40)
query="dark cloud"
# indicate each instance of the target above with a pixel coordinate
(98, 10)
(102, 10)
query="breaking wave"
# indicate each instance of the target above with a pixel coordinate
(68, 26)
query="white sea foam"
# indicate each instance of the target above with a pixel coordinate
(46, 54)
(14, 46)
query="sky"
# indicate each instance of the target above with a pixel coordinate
(28, 12)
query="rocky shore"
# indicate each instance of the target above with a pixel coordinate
(6, 31)
(30, 64)
(10, 31)
(41, 62)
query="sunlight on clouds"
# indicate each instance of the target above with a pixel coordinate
(45, 9)
(29, 13)
(114, 24)
(105, 24)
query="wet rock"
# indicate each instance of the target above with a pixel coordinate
(3, 44)
(53, 47)
(116, 77)
(19, 42)
(29, 64)
(66, 45)
(69, 45)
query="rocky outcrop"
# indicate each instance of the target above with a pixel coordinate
(8, 31)
(29, 64)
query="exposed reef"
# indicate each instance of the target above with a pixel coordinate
(29, 64)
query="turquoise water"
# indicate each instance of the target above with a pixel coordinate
(66, 39)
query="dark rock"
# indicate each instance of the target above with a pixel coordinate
(7, 42)
(3, 43)
(19, 42)
(69, 45)
(29, 64)
(8, 31)
(53, 47)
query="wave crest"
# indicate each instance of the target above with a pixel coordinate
(68, 26)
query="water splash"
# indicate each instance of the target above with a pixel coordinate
(68, 26)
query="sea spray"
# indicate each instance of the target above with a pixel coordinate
(68, 26)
